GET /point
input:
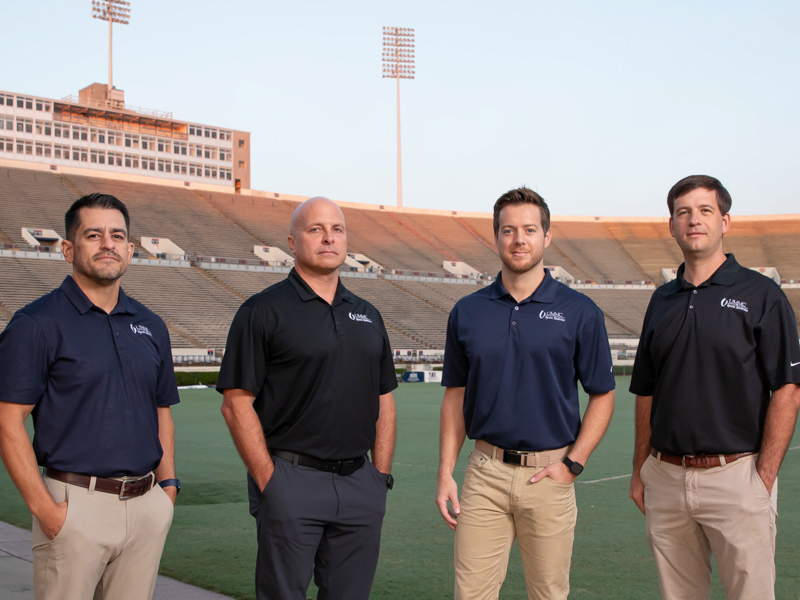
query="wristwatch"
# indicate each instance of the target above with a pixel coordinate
(176, 483)
(575, 468)
(389, 480)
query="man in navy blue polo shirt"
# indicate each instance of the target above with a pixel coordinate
(716, 382)
(94, 368)
(307, 384)
(514, 353)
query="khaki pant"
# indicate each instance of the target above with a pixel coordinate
(692, 513)
(108, 549)
(499, 505)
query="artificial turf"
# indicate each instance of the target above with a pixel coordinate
(212, 540)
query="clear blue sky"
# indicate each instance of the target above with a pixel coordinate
(600, 106)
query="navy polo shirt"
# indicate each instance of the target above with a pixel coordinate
(710, 356)
(520, 363)
(317, 370)
(96, 380)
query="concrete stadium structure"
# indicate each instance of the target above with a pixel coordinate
(220, 244)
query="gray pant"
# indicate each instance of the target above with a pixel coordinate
(308, 518)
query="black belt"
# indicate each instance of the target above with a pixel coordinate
(340, 467)
(130, 487)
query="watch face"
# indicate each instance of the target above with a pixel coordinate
(389, 480)
(575, 467)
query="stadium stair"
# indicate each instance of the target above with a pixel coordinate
(565, 262)
(430, 243)
(417, 297)
(216, 280)
(231, 218)
(74, 188)
(475, 234)
(625, 253)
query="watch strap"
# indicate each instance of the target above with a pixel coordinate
(176, 483)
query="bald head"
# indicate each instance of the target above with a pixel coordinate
(317, 237)
(301, 213)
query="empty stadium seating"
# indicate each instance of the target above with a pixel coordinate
(199, 304)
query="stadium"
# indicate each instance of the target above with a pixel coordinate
(206, 241)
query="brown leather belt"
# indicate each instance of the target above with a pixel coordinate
(542, 458)
(699, 461)
(131, 487)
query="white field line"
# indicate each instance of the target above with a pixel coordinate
(628, 475)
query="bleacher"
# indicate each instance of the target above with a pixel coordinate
(198, 304)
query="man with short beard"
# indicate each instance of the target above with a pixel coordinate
(94, 368)
(513, 355)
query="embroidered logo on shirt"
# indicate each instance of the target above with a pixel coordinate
(737, 304)
(357, 317)
(551, 315)
(141, 329)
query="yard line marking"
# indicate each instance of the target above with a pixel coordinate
(605, 479)
(624, 476)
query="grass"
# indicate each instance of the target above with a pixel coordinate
(212, 541)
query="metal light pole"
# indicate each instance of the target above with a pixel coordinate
(113, 11)
(398, 63)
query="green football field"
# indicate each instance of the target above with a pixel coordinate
(212, 540)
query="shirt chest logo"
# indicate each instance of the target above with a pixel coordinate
(358, 317)
(141, 330)
(731, 303)
(551, 315)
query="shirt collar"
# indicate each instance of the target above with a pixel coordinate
(724, 275)
(306, 293)
(82, 304)
(546, 292)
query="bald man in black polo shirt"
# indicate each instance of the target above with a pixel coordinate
(716, 378)
(307, 384)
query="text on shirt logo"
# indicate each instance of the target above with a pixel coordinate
(141, 329)
(357, 317)
(737, 304)
(551, 315)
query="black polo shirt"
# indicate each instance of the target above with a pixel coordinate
(96, 379)
(317, 370)
(520, 363)
(710, 356)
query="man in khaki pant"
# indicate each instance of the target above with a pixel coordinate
(716, 377)
(513, 355)
(94, 367)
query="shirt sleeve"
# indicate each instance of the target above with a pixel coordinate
(166, 387)
(388, 377)
(24, 361)
(593, 357)
(778, 347)
(244, 365)
(455, 371)
(643, 377)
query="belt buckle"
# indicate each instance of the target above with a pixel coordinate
(124, 482)
(518, 457)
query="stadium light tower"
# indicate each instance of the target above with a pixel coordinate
(113, 11)
(398, 63)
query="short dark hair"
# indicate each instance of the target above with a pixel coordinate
(521, 195)
(96, 200)
(694, 182)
